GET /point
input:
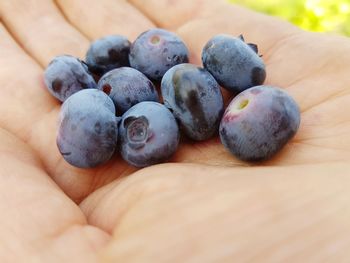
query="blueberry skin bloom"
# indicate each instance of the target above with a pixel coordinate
(233, 63)
(88, 129)
(195, 99)
(155, 51)
(127, 87)
(259, 122)
(108, 53)
(66, 75)
(148, 134)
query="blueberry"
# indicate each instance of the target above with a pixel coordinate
(195, 99)
(108, 53)
(88, 129)
(66, 75)
(233, 63)
(127, 87)
(155, 51)
(148, 134)
(259, 122)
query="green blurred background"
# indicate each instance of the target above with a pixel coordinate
(314, 15)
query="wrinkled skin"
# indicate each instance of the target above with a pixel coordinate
(148, 134)
(206, 206)
(259, 122)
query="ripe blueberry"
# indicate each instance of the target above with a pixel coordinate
(155, 51)
(195, 99)
(88, 129)
(127, 87)
(66, 75)
(233, 63)
(108, 53)
(259, 122)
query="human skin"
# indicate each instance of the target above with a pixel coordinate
(205, 206)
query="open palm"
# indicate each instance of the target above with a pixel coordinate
(205, 206)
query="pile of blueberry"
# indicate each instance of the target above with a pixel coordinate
(110, 101)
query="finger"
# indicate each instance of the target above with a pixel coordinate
(38, 221)
(300, 62)
(199, 20)
(23, 99)
(41, 30)
(236, 21)
(29, 112)
(200, 213)
(172, 14)
(39, 120)
(107, 17)
(294, 58)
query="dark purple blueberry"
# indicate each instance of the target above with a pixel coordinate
(259, 122)
(66, 75)
(88, 129)
(127, 87)
(195, 99)
(108, 53)
(235, 64)
(148, 134)
(155, 51)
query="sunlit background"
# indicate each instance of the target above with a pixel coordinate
(314, 15)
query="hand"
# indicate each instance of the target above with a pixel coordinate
(206, 206)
